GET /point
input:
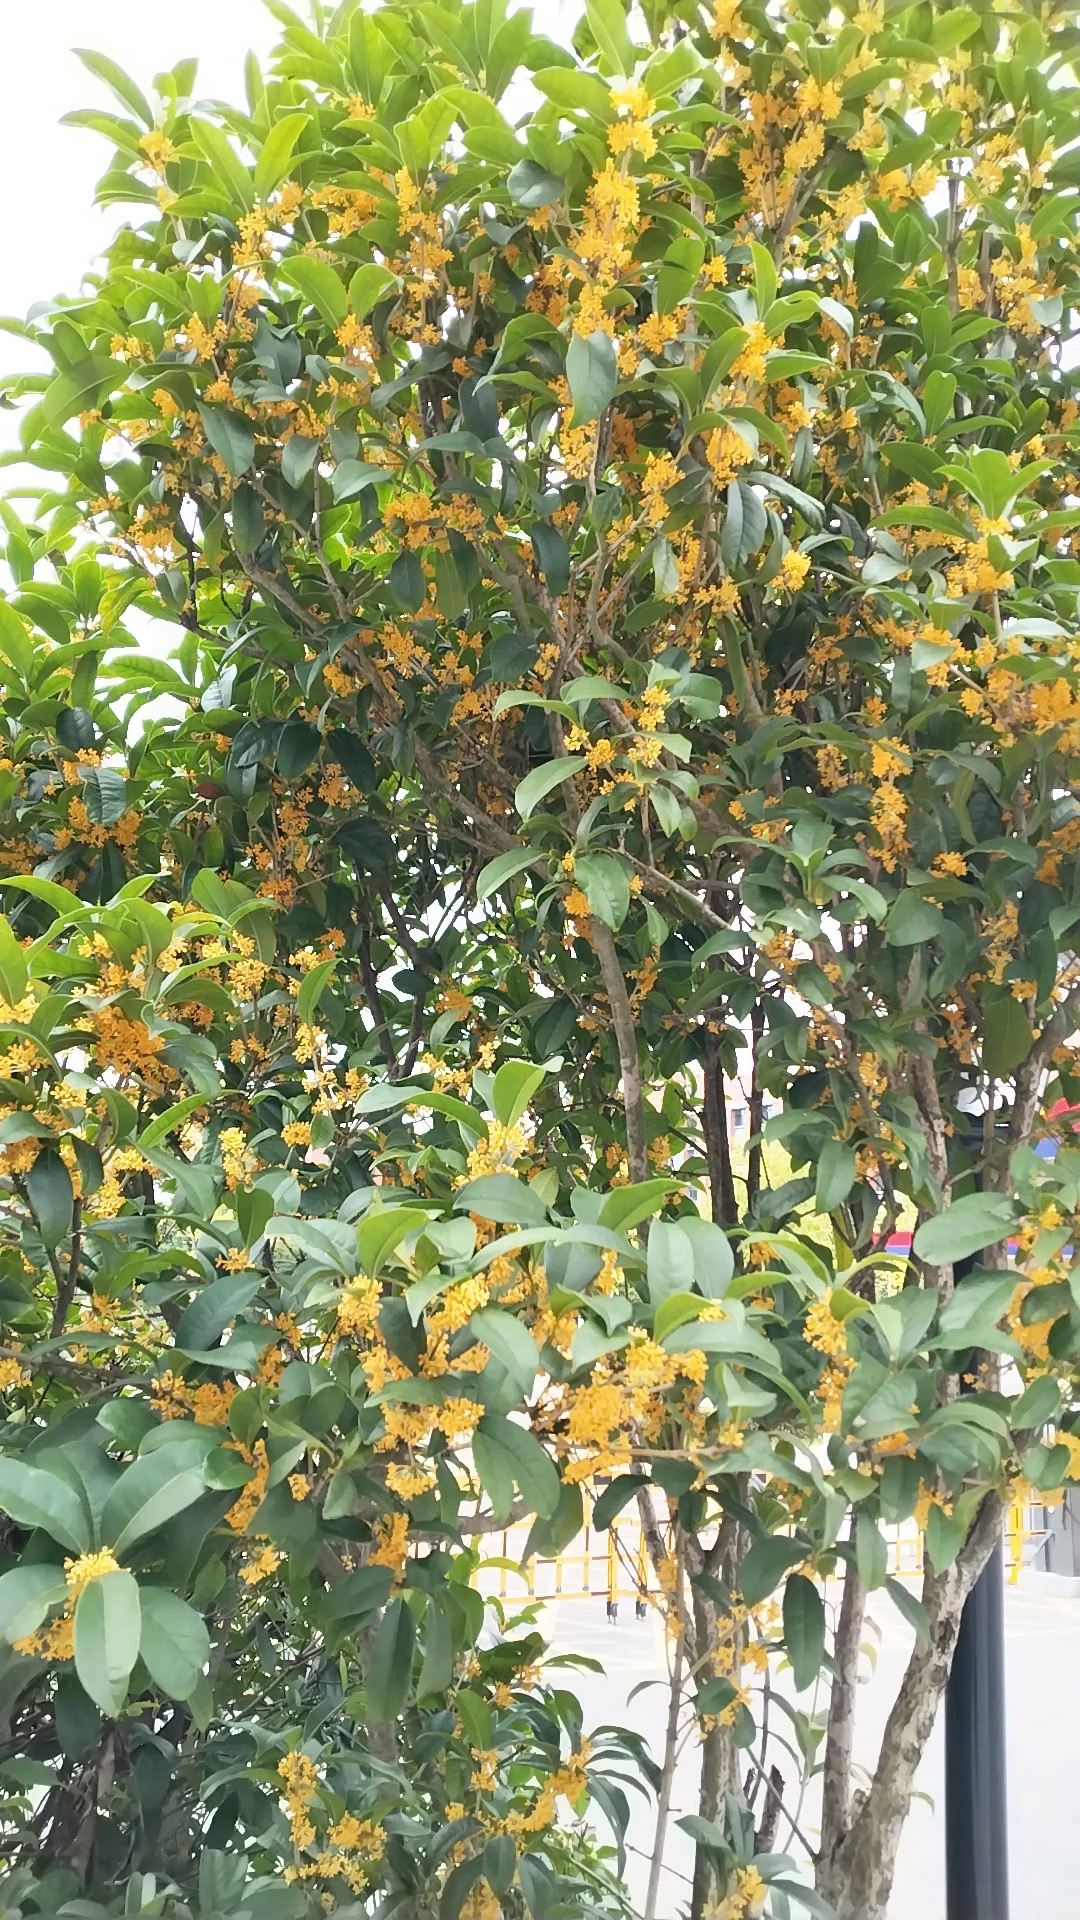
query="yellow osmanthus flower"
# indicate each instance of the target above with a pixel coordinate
(410, 1480)
(56, 1639)
(392, 1535)
(243, 1510)
(794, 568)
(89, 1566)
(261, 1566)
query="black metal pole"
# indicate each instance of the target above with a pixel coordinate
(976, 1803)
(976, 1832)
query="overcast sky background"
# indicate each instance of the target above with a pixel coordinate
(52, 230)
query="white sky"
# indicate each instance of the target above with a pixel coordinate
(52, 230)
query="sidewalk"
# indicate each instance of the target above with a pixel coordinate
(1042, 1659)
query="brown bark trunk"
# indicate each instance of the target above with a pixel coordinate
(836, 1779)
(671, 1748)
(725, 1207)
(858, 1879)
(622, 1019)
(719, 1758)
(757, 1106)
(719, 1773)
(381, 1734)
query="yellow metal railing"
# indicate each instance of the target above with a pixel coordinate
(614, 1564)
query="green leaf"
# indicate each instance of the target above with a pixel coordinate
(389, 1674)
(15, 643)
(437, 1671)
(543, 780)
(765, 1566)
(275, 156)
(624, 1207)
(504, 1198)
(512, 1452)
(513, 1088)
(871, 1553)
(174, 1645)
(147, 1495)
(311, 990)
(33, 1497)
(122, 86)
(216, 1305)
(230, 173)
(1007, 1038)
(552, 556)
(1038, 1404)
(108, 1627)
(671, 1262)
(551, 1537)
(592, 372)
(531, 185)
(254, 1210)
(298, 456)
(495, 1466)
(14, 968)
(912, 919)
(383, 1229)
(572, 89)
(952, 27)
(360, 1593)
(319, 286)
(104, 795)
(500, 1863)
(944, 1538)
(504, 867)
(166, 1123)
(352, 476)
(764, 277)
(978, 1220)
(615, 1497)
(27, 1594)
(912, 1609)
(511, 1343)
(407, 582)
(52, 1196)
(835, 1175)
(675, 1309)
(298, 745)
(804, 1629)
(607, 887)
(369, 284)
(231, 436)
(607, 20)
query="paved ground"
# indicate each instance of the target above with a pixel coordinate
(1043, 1686)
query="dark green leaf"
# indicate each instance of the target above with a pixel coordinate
(389, 1674)
(174, 1644)
(231, 436)
(593, 374)
(52, 1196)
(108, 1628)
(804, 1629)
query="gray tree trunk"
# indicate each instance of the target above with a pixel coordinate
(858, 1877)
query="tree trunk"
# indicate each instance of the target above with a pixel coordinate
(725, 1206)
(622, 1020)
(858, 1878)
(836, 1780)
(667, 1779)
(757, 1107)
(719, 1759)
(381, 1734)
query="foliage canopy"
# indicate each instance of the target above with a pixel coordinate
(615, 510)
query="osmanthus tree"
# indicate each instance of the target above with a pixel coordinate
(616, 504)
